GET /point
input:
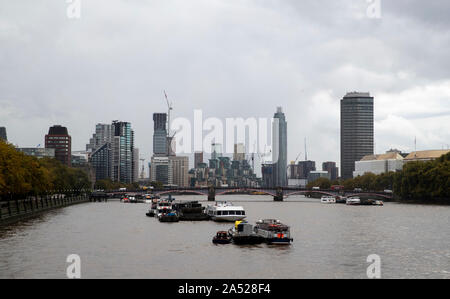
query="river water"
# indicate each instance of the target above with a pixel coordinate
(117, 240)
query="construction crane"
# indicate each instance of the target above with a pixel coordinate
(169, 108)
(297, 158)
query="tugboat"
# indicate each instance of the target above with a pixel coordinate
(168, 216)
(274, 232)
(243, 233)
(190, 211)
(222, 238)
(225, 211)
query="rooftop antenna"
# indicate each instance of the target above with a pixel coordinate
(306, 152)
(415, 146)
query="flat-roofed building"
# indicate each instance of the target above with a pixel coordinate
(378, 164)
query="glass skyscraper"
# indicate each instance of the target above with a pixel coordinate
(160, 146)
(123, 156)
(279, 145)
(357, 130)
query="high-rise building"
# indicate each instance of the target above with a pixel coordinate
(331, 168)
(357, 130)
(279, 145)
(103, 134)
(123, 153)
(267, 175)
(161, 170)
(198, 159)
(59, 139)
(101, 161)
(3, 135)
(135, 165)
(180, 171)
(239, 152)
(304, 168)
(160, 142)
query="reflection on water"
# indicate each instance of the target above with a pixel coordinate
(117, 240)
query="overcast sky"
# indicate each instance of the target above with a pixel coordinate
(230, 58)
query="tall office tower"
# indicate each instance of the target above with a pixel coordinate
(160, 143)
(198, 159)
(3, 134)
(332, 170)
(279, 145)
(180, 169)
(103, 134)
(135, 165)
(122, 153)
(59, 139)
(239, 152)
(357, 130)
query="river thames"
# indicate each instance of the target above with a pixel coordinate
(117, 240)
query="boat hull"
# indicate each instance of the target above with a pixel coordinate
(248, 240)
(227, 218)
(278, 241)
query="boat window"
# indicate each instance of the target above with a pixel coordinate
(232, 212)
(219, 213)
(242, 212)
(225, 213)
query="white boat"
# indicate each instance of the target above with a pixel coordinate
(353, 201)
(225, 211)
(328, 199)
(163, 206)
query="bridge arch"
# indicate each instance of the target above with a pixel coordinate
(182, 191)
(228, 191)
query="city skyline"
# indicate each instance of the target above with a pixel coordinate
(411, 98)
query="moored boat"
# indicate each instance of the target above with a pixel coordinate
(168, 216)
(353, 201)
(243, 233)
(274, 232)
(225, 211)
(328, 199)
(222, 237)
(190, 211)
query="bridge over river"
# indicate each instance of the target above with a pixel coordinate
(279, 194)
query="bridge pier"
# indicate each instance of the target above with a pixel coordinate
(211, 194)
(279, 195)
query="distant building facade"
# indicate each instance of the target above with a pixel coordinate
(3, 135)
(161, 170)
(331, 168)
(315, 175)
(378, 164)
(180, 169)
(198, 159)
(58, 138)
(239, 152)
(101, 162)
(357, 130)
(38, 152)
